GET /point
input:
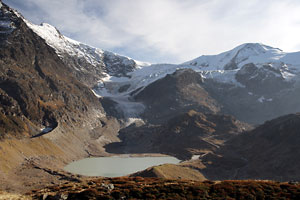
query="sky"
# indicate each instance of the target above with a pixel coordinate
(169, 31)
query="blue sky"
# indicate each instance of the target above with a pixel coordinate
(170, 31)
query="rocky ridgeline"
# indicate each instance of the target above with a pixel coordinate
(269, 151)
(37, 89)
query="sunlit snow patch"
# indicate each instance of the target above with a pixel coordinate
(195, 157)
(262, 99)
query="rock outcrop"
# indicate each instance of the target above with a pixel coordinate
(270, 151)
(176, 93)
(37, 89)
(182, 136)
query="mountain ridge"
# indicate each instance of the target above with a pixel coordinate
(240, 55)
(34, 79)
(86, 61)
(47, 116)
(266, 152)
(63, 100)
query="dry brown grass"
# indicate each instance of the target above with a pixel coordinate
(171, 171)
(9, 196)
(154, 188)
(52, 105)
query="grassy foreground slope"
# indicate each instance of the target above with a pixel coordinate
(154, 188)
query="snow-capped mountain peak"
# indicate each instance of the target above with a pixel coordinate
(252, 68)
(211, 66)
(85, 58)
(256, 53)
(257, 47)
(51, 35)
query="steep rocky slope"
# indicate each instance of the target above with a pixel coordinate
(263, 95)
(270, 151)
(88, 64)
(36, 88)
(184, 135)
(176, 93)
(46, 115)
(252, 82)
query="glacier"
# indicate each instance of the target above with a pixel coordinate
(121, 87)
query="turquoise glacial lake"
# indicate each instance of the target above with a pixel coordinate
(116, 166)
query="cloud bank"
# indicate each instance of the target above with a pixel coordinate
(170, 31)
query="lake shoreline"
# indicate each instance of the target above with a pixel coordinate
(118, 165)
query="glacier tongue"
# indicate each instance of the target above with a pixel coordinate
(129, 108)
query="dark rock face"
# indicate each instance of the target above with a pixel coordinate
(88, 64)
(176, 93)
(36, 88)
(270, 151)
(118, 65)
(8, 22)
(265, 94)
(105, 62)
(269, 79)
(261, 91)
(111, 108)
(231, 65)
(181, 136)
(82, 70)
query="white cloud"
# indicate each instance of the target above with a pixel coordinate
(173, 30)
